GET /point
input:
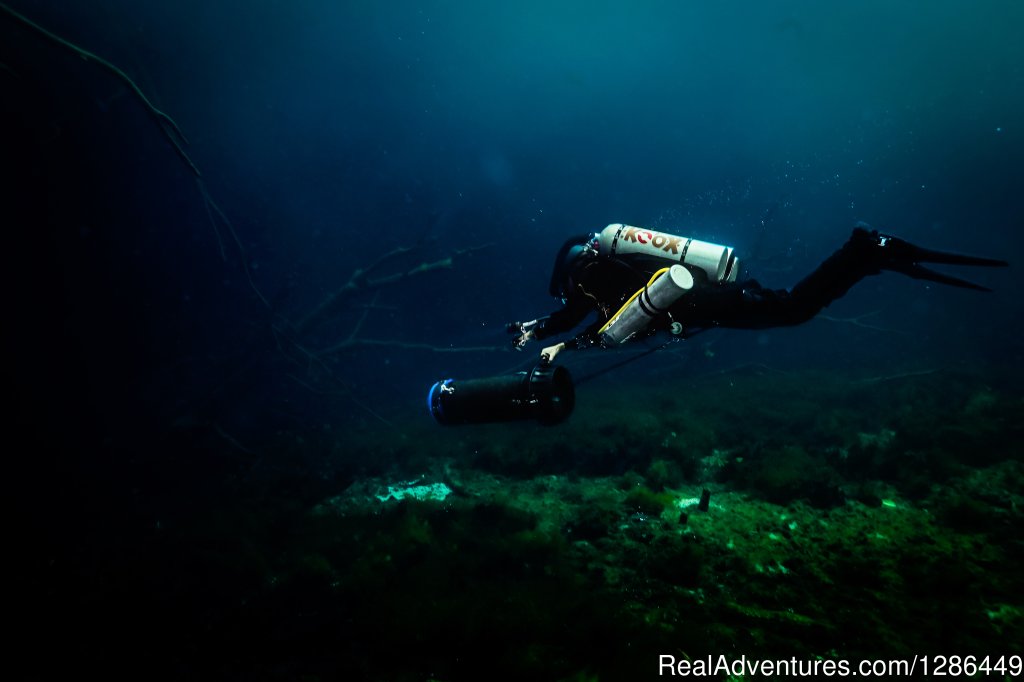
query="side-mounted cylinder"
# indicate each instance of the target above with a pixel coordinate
(654, 299)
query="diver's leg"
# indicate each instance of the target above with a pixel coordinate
(858, 258)
(748, 305)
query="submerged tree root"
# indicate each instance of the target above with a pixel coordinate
(168, 128)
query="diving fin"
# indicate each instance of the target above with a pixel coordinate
(898, 255)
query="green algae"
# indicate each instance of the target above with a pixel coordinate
(839, 528)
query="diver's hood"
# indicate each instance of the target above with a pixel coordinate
(565, 261)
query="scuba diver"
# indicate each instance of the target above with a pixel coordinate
(641, 282)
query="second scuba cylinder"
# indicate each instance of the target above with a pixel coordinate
(719, 262)
(662, 291)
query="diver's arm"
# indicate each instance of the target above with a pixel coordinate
(588, 338)
(575, 311)
(547, 355)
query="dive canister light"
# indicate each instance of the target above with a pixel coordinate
(545, 393)
(665, 288)
(719, 262)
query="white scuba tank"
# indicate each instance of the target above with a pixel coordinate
(664, 289)
(719, 262)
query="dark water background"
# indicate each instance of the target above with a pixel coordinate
(331, 132)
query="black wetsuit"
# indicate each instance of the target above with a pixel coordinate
(603, 284)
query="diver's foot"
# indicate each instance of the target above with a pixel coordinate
(886, 252)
